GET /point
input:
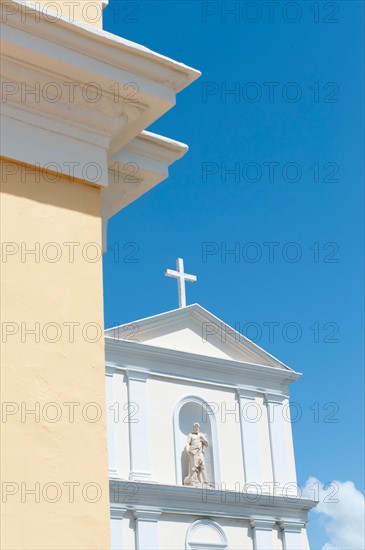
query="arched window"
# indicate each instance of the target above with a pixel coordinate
(192, 409)
(205, 534)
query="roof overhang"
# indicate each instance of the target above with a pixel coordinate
(75, 96)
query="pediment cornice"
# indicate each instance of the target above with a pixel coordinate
(237, 348)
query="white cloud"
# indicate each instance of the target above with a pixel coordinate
(342, 510)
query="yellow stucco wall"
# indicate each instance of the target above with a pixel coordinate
(52, 450)
(88, 11)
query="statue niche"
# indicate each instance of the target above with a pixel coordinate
(188, 412)
(195, 446)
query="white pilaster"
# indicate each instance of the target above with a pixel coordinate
(249, 437)
(277, 430)
(116, 526)
(109, 381)
(262, 534)
(138, 426)
(146, 528)
(292, 535)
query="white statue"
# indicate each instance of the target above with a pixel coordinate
(195, 449)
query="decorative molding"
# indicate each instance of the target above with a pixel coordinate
(191, 380)
(151, 326)
(291, 527)
(262, 524)
(136, 375)
(117, 511)
(103, 46)
(146, 514)
(58, 117)
(208, 503)
(191, 545)
(292, 534)
(246, 393)
(109, 371)
(168, 363)
(146, 520)
(139, 475)
(274, 398)
(262, 533)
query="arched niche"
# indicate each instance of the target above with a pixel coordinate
(205, 534)
(192, 409)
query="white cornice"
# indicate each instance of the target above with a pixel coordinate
(127, 349)
(182, 500)
(109, 49)
(36, 51)
(162, 362)
(156, 147)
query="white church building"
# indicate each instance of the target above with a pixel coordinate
(167, 372)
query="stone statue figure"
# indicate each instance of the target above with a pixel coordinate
(195, 449)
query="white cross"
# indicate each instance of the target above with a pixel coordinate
(181, 278)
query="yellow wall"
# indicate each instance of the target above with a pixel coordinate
(88, 11)
(37, 289)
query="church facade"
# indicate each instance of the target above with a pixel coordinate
(166, 373)
(71, 136)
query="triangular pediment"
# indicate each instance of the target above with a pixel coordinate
(194, 330)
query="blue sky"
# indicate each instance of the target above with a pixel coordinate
(294, 135)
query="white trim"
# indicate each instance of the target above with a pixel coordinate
(278, 445)
(109, 387)
(214, 443)
(73, 130)
(191, 501)
(189, 545)
(149, 326)
(263, 533)
(116, 526)
(291, 526)
(192, 379)
(166, 362)
(99, 44)
(292, 534)
(138, 427)
(251, 454)
(146, 520)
